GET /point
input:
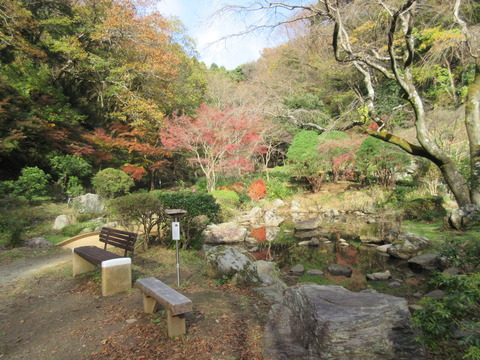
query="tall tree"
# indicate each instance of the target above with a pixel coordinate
(383, 38)
(91, 78)
(218, 141)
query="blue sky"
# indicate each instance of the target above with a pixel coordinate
(196, 15)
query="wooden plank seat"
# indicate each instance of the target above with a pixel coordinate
(177, 305)
(116, 269)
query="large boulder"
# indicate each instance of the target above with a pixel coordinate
(330, 322)
(226, 233)
(339, 270)
(425, 263)
(310, 224)
(379, 276)
(272, 219)
(407, 245)
(272, 232)
(267, 271)
(370, 239)
(89, 203)
(308, 234)
(229, 263)
(61, 221)
(459, 218)
(39, 242)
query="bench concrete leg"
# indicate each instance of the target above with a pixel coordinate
(116, 276)
(176, 324)
(80, 265)
(150, 305)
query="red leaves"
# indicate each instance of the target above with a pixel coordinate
(259, 233)
(257, 190)
(135, 172)
(220, 141)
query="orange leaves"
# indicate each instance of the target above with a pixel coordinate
(142, 41)
(135, 172)
(257, 189)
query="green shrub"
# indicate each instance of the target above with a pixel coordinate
(427, 208)
(461, 253)
(201, 208)
(111, 183)
(74, 186)
(304, 158)
(450, 325)
(229, 202)
(280, 173)
(32, 182)
(381, 161)
(15, 216)
(84, 217)
(142, 209)
(75, 229)
(6, 188)
(400, 193)
(276, 189)
(227, 198)
(69, 169)
(201, 185)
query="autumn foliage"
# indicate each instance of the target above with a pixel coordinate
(257, 189)
(218, 141)
(259, 233)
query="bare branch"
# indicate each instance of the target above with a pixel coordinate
(464, 28)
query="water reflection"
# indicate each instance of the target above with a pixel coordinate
(345, 235)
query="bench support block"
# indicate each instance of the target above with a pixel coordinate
(116, 278)
(80, 265)
(176, 324)
(150, 305)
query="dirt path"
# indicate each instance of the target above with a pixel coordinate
(21, 269)
(45, 313)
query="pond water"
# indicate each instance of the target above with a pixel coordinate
(362, 259)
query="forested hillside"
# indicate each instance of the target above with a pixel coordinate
(89, 85)
(367, 117)
(93, 79)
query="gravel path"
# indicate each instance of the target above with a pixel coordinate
(20, 269)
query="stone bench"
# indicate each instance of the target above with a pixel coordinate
(177, 305)
(116, 269)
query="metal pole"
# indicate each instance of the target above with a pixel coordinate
(178, 260)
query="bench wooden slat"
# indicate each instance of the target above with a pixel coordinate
(94, 254)
(165, 295)
(119, 238)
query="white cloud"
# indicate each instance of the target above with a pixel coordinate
(171, 8)
(208, 31)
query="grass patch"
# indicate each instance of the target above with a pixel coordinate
(433, 231)
(75, 229)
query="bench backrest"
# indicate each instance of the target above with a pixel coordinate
(118, 238)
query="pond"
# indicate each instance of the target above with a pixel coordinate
(341, 243)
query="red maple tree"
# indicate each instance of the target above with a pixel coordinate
(220, 141)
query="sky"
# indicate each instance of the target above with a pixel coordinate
(196, 15)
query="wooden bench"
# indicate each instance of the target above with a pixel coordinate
(156, 292)
(116, 269)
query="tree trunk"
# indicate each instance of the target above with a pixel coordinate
(472, 124)
(211, 181)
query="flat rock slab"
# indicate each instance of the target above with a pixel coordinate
(330, 322)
